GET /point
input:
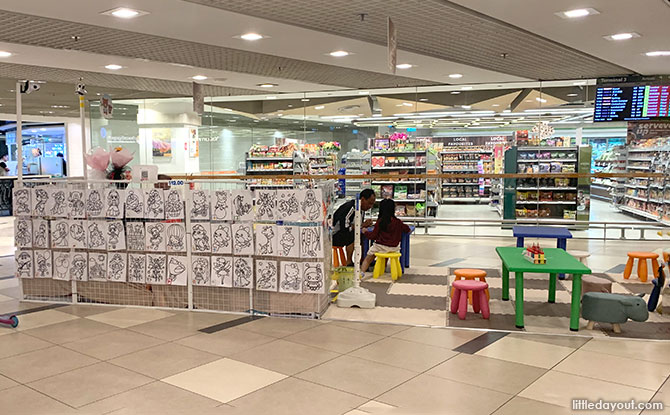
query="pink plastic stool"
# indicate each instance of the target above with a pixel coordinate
(459, 299)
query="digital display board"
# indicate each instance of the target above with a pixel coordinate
(630, 103)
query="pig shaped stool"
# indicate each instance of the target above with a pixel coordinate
(613, 308)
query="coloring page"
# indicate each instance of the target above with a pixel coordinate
(243, 205)
(290, 278)
(266, 275)
(243, 239)
(288, 241)
(311, 204)
(313, 278)
(57, 203)
(177, 272)
(222, 205)
(156, 269)
(135, 239)
(199, 204)
(154, 204)
(61, 266)
(155, 236)
(77, 234)
(266, 239)
(43, 264)
(288, 206)
(75, 204)
(174, 204)
(41, 234)
(95, 234)
(95, 205)
(137, 268)
(60, 234)
(97, 266)
(200, 237)
(114, 203)
(311, 242)
(79, 266)
(175, 237)
(266, 204)
(243, 273)
(23, 232)
(21, 201)
(24, 263)
(116, 236)
(117, 266)
(134, 203)
(221, 238)
(39, 199)
(200, 272)
(222, 271)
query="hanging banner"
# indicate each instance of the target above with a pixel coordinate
(638, 132)
(392, 39)
(106, 106)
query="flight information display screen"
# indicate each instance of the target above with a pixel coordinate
(630, 103)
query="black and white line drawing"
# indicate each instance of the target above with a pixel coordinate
(242, 205)
(243, 273)
(75, 204)
(43, 265)
(266, 239)
(200, 204)
(61, 266)
(221, 240)
(222, 271)
(117, 267)
(175, 237)
(200, 237)
(134, 203)
(23, 232)
(79, 266)
(40, 198)
(266, 204)
(95, 206)
(243, 239)
(137, 268)
(155, 236)
(288, 206)
(114, 203)
(156, 269)
(312, 278)
(135, 236)
(116, 236)
(77, 234)
(311, 242)
(154, 206)
(95, 234)
(266, 275)
(174, 205)
(311, 205)
(21, 201)
(177, 271)
(200, 272)
(24, 263)
(60, 231)
(222, 205)
(97, 266)
(41, 234)
(288, 243)
(290, 277)
(57, 204)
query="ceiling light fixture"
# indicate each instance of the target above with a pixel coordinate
(466, 107)
(542, 100)
(466, 88)
(266, 85)
(423, 99)
(404, 66)
(305, 100)
(271, 97)
(577, 13)
(125, 13)
(455, 92)
(622, 36)
(199, 77)
(113, 67)
(455, 75)
(495, 105)
(407, 104)
(5, 54)
(658, 53)
(339, 53)
(251, 36)
(573, 94)
(319, 107)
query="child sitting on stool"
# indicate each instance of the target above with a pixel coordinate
(387, 233)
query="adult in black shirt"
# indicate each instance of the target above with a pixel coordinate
(343, 221)
(3, 165)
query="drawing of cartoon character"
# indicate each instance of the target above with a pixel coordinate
(310, 241)
(76, 203)
(287, 241)
(241, 208)
(134, 204)
(200, 270)
(116, 266)
(58, 209)
(288, 206)
(200, 238)
(222, 268)
(78, 267)
(220, 238)
(41, 236)
(155, 268)
(77, 233)
(266, 248)
(242, 273)
(96, 237)
(61, 266)
(42, 264)
(23, 233)
(136, 268)
(40, 207)
(175, 269)
(94, 203)
(311, 207)
(155, 206)
(291, 280)
(268, 277)
(174, 208)
(59, 235)
(175, 237)
(113, 202)
(22, 202)
(313, 278)
(114, 230)
(200, 207)
(24, 265)
(96, 268)
(221, 206)
(265, 205)
(243, 239)
(135, 236)
(155, 233)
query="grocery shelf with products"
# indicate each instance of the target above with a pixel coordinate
(356, 163)
(466, 160)
(263, 160)
(322, 157)
(612, 160)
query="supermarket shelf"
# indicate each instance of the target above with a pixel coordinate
(640, 159)
(319, 157)
(602, 186)
(398, 182)
(641, 199)
(635, 186)
(389, 153)
(603, 198)
(270, 171)
(547, 160)
(398, 167)
(270, 159)
(643, 150)
(271, 185)
(610, 161)
(659, 201)
(638, 212)
(466, 199)
(460, 161)
(546, 188)
(459, 171)
(539, 202)
(468, 152)
(460, 184)
(639, 167)
(409, 200)
(320, 166)
(541, 148)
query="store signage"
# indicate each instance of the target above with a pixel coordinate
(392, 38)
(106, 106)
(638, 131)
(176, 182)
(473, 141)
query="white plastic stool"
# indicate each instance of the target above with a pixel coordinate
(580, 255)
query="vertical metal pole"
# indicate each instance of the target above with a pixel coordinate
(19, 135)
(357, 244)
(82, 117)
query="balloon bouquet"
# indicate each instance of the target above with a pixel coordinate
(110, 166)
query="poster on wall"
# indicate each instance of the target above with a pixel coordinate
(193, 144)
(61, 262)
(161, 140)
(137, 268)
(200, 272)
(117, 266)
(177, 270)
(59, 234)
(639, 132)
(24, 263)
(222, 271)
(79, 266)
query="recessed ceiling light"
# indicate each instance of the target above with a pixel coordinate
(407, 104)
(658, 53)
(125, 13)
(495, 105)
(113, 67)
(423, 99)
(404, 65)
(573, 94)
(339, 53)
(455, 92)
(466, 107)
(529, 100)
(60, 106)
(577, 13)
(251, 36)
(376, 115)
(542, 100)
(319, 107)
(305, 100)
(622, 36)
(271, 97)
(199, 77)
(267, 85)
(455, 75)
(465, 88)
(5, 54)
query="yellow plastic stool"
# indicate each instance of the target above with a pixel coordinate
(380, 265)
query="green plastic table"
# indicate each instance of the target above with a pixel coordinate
(558, 262)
